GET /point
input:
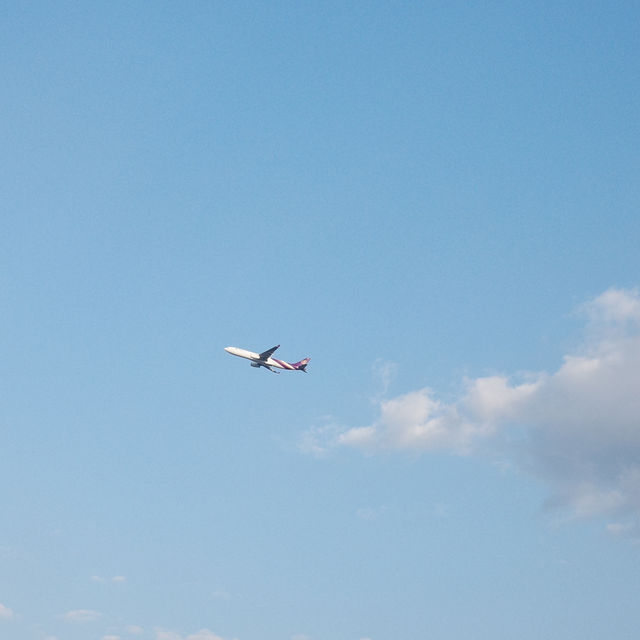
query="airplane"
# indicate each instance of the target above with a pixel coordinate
(265, 360)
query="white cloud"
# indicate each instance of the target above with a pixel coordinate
(111, 637)
(5, 612)
(614, 307)
(134, 630)
(118, 579)
(577, 429)
(82, 615)
(203, 634)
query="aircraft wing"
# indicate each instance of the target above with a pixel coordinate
(268, 353)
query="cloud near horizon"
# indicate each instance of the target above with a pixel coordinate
(203, 634)
(577, 429)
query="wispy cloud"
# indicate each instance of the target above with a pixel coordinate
(82, 615)
(203, 634)
(167, 635)
(5, 612)
(577, 428)
(370, 513)
(317, 441)
(384, 373)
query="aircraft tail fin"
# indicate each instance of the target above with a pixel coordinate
(302, 365)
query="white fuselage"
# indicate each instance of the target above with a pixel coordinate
(255, 357)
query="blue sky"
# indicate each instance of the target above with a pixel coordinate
(437, 202)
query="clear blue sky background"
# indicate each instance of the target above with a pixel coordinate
(425, 189)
